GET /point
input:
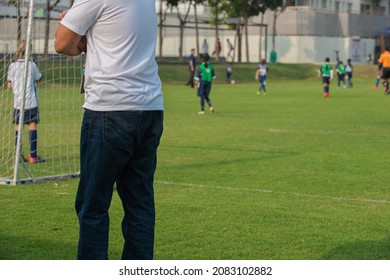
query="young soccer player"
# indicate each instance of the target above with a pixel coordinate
(378, 77)
(326, 72)
(340, 74)
(261, 76)
(15, 82)
(384, 66)
(205, 75)
(349, 71)
(229, 71)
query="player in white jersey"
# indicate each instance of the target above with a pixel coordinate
(16, 81)
(261, 76)
(349, 72)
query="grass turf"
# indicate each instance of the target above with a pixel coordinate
(289, 175)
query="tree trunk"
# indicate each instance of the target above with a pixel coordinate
(196, 29)
(246, 38)
(216, 29)
(239, 38)
(19, 19)
(181, 39)
(274, 30)
(261, 37)
(47, 30)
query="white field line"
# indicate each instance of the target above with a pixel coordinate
(365, 200)
(323, 132)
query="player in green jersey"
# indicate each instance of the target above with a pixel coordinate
(341, 74)
(326, 72)
(205, 75)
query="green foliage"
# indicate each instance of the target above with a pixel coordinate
(217, 14)
(274, 4)
(243, 8)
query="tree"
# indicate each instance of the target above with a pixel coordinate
(243, 10)
(182, 19)
(196, 3)
(278, 7)
(263, 9)
(216, 7)
(49, 7)
(16, 4)
(162, 18)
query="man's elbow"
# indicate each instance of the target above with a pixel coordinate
(65, 49)
(58, 47)
(66, 42)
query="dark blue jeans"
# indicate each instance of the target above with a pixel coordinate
(121, 148)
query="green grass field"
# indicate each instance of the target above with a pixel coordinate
(285, 176)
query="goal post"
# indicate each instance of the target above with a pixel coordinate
(59, 98)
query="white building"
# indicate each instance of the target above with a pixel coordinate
(306, 32)
(372, 7)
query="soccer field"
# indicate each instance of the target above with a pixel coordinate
(289, 175)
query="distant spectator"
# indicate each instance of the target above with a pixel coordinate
(369, 58)
(205, 47)
(191, 68)
(337, 58)
(218, 49)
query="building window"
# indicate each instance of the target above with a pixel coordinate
(349, 7)
(365, 9)
(323, 4)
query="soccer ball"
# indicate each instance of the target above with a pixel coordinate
(232, 82)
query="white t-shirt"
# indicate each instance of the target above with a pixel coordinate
(16, 77)
(121, 72)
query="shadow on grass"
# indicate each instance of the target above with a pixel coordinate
(27, 248)
(362, 250)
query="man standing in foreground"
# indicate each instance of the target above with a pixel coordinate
(123, 120)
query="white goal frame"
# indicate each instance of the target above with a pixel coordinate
(60, 101)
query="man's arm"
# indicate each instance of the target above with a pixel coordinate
(68, 42)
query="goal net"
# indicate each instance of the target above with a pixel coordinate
(59, 98)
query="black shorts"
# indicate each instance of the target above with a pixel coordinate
(30, 115)
(385, 73)
(325, 80)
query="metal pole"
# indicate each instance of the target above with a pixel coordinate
(25, 77)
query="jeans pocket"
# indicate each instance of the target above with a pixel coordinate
(120, 128)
